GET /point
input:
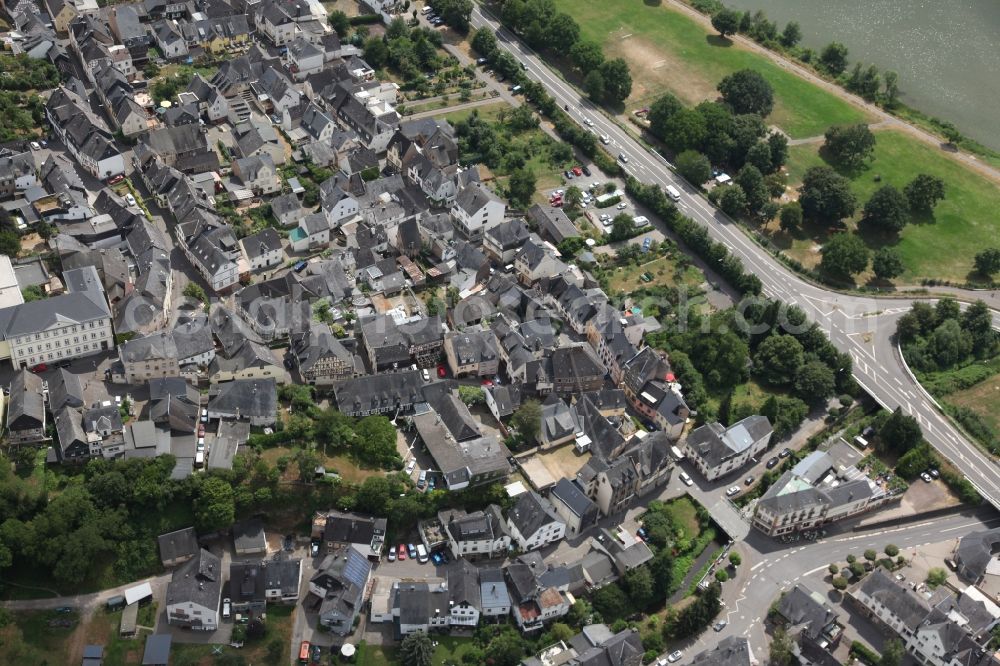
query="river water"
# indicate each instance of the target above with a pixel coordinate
(946, 52)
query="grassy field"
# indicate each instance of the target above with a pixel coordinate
(983, 399)
(278, 631)
(488, 112)
(940, 247)
(664, 270)
(343, 465)
(668, 50)
(450, 649)
(684, 513)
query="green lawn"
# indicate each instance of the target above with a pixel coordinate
(684, 513)
(941, 247)
(486, 112)
(668, 50)
(450, 649)
(376, 655)
(664, 271)
(29, 639)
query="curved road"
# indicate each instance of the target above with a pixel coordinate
(859, 326)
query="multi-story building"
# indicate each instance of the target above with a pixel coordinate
(717, 451)
(72, 325)
(151, 356)
(477, 534)
(195, 592)
(472, 353)
(534, 523)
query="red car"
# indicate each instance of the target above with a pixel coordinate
(577, 171)
(41, 367)
(117, 179)
(401, 552)
(441, 372)
(487, 383)
(201, 429)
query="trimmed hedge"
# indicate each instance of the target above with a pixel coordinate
(608, 203)
(864, 654)
(365, 19)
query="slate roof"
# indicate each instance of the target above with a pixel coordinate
(181, 543)
(730, 651)
(802, 607)
(245, 398)
(714, 443)
(904, 604)
(531, 512)
(975, 552)
(463, 584)
(570, 494)
(199, 580)
(26, 406)
(382, 391)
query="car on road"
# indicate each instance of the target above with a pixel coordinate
(588, 122)
(785, 452)
(411, 550)
(130, 199)
(749, 480)
(623, 158)
(773, 462)
(486, 383)
(442, 373)
(735, 490)
(674, 656)
(686, 479)
(427, 375)
(402, 552)
(204, 416)
(926, 477)
(605, 139)
(720, 625)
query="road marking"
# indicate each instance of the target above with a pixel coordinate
(754, 567)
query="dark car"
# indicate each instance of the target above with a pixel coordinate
(586, 171)
(785, 452)
(773, 462)
(720, 625)
(749, 480)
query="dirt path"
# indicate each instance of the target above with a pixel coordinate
(820, 138)
(457, 107)
(886, 119)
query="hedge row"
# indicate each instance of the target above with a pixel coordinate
(716, 255)
(365, 19)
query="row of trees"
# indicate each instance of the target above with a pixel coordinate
(831, 60)
(546, 29)
(942, 336)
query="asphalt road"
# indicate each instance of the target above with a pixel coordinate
(857, 325)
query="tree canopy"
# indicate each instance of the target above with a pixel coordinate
(826, 196)
(746, 91)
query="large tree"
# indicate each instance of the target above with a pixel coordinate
(887, 263)
(595, 85)
(814, 381)
(617, 80)
(833, 58)
(522, 186)
(746, 91)
(527, 420)
(924, 192)
(214, 505)
(752, 181)
(416, 650)
(826, 196)
(734, 200)
(587, 55)
(684, 130)
(694, 166)
(778, 359)
(987, 262)
(726, 21)
(791, 216)
(844, 256)
(562, 33)
(665, 106)
(887, 209)
(849, 145)
(791, 35)
(900, 432)
(781, 650)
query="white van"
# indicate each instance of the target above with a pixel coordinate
(686, 479)
(421, 554)
(426, 9)
(673, 193)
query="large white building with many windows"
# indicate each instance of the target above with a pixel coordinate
(69, 326)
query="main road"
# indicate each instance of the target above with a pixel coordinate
(859, 326)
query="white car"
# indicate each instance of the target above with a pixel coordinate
(686, 479)
(605, 139)
(204, 416)
(623, 158)
(410, 466)
(674, 656)
(130, 199)
(427, 375)
(735, 490)
(622, 205)
(226, 608)
(589, 122)
(35, 146)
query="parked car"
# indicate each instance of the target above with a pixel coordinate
(785, 452)
(674, 656)
(314, 548)
(622, 205)
(411, 550)
(410, 466)
(773, 462)
(686, 479)
(586, 171)
(442, 373)
(35, 146)
(733, 491)
(41, 367)
(391, 555)
(720, 625)
(577, 171)
(427, 375)
(749, 480)
(227, 606)
(436, 558)
(402, 552)
(934, 473)
(204, 416)
(926, 477)
(130, 199)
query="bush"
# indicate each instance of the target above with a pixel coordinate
(936, 577)
(612, 201)
(871, 555)
(892, 550)
(365, 19)
(839, 583)
(721, 575)
(864, 654)
(834, 568)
